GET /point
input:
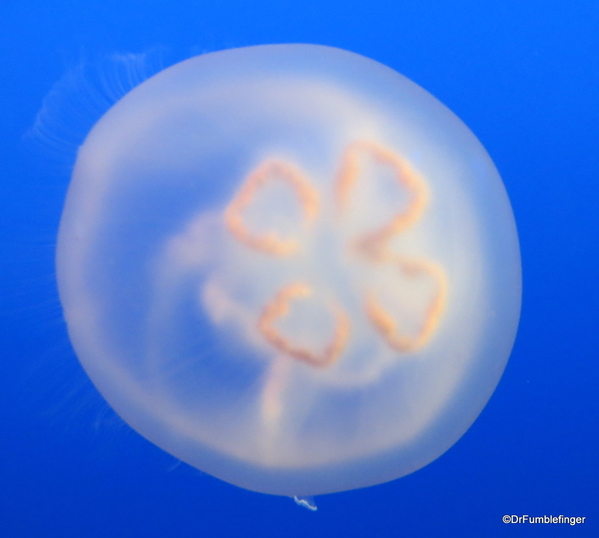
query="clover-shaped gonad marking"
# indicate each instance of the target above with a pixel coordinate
(373, 245)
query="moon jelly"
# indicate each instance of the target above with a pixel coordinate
(290, 267)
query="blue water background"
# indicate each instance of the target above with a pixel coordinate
(523, 75)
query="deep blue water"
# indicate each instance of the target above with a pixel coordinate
(523, 75)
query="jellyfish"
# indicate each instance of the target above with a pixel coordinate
(290, 267)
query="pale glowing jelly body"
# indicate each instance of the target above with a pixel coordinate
(290, 267)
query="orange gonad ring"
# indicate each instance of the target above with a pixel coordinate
(374, 242)
(270, 243)
(279, 308)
